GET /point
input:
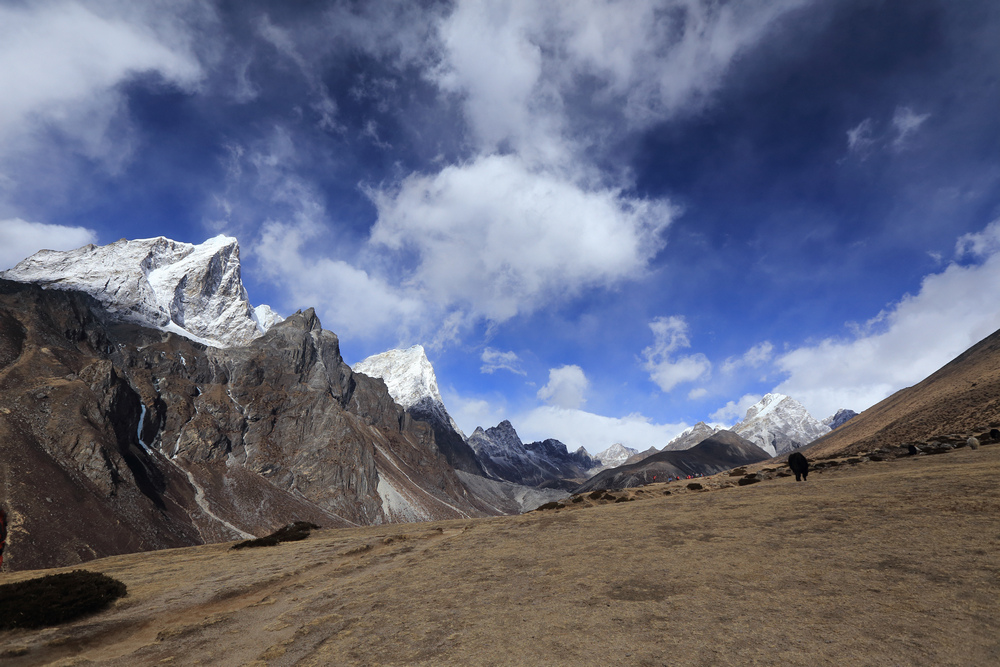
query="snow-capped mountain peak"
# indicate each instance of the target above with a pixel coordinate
(779, 424)
(691, 436)
(615, 455)
(407, 373)
(192, 290)
(410, 378)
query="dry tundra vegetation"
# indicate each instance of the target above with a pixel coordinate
(878, 563)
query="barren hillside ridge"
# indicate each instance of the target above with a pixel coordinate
(879, 563)
(960, 399)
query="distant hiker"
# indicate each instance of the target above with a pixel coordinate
(799, 465)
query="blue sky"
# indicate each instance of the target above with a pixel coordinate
(605, 221)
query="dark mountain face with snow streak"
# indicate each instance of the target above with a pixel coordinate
(503, 456)
(117, 437)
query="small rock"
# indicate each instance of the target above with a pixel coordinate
(751, 479)
(973, 443)
(695, 486)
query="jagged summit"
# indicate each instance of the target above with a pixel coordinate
(840, 418)
(779, 424)
(410, 378)
(193, 290)
(614, 456)
(691, 436)
(412, 383)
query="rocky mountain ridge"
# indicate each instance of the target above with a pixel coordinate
(193, 290)
(778, 424)
(504, 456)
(412, 383)
(116, 437)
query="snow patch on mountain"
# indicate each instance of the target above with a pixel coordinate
(410, 378)
(691, 436)
(193, 290)
(503, 455)
(778, 424)
(614, 456)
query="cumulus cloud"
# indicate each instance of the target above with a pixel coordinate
(579, 428)
(734, 411)
(908, 340)
(666, 369)
(566, 388)
(61, 63)
(350, 300)
(20, 239)
(496, 238)
(495, 360)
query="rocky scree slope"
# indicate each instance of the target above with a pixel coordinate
(117, 438)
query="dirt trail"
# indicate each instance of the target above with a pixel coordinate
(890, 563)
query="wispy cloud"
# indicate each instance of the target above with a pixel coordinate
(567, 387)
(906, 122)
(495, 360)
(20, 239)
(667, 369)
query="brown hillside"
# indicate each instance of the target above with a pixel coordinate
(962, 398)
(890, 563)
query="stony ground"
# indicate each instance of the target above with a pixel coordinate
(880, 563)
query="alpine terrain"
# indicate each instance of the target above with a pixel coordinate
(778, 424)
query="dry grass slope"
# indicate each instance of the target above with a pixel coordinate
(890, 563)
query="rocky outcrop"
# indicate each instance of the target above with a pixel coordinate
(721, 451)
(842, 417)
(195, 290)
(779, 424)
(116, 437)
(614, 456)
(690, 437)
(503, 456)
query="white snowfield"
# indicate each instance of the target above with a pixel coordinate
(778, 424)
(192, 290)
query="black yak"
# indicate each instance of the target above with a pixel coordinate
(799, 465)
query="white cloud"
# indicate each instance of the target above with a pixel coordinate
(495, 238)
(495, 360)
(755, 357)
(695, 394)
(859, 138)
(350, 300)
(566, 388)
(906, 122)
(470, 413)
(60, 64)
(734, 411)
(20, 239)
(578, 428)
(907, 341)
(666, 370)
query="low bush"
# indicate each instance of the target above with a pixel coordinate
(56, 598)
(293, 532)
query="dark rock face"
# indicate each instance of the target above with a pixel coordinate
(842, 417)
(503, 456)
(722, 451)
(451, 444)
(117, 438)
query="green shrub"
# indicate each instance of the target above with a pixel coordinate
(56, 598)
